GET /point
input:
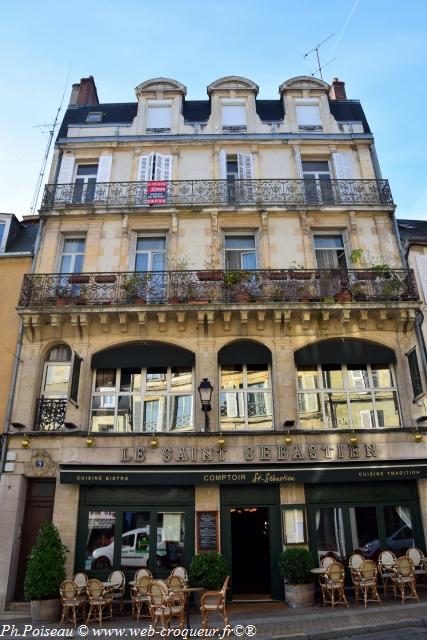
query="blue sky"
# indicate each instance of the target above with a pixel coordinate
(380, 53)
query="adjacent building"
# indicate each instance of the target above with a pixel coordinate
(215, 341)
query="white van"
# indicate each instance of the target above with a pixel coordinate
(135, 550)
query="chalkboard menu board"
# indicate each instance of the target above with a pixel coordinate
(207, 531)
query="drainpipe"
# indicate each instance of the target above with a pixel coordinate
(18, 350)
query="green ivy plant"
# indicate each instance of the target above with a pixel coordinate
(295, 564)
(46, 565)
(208, 570)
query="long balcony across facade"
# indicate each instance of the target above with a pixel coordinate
(220, 286)
(274, 192)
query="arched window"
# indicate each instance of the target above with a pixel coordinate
(56, 374)
(143, 387)
(347, 384)
(245, 382)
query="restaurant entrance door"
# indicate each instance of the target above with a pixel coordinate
(251, 540)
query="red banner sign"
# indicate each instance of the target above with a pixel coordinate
(156, 192)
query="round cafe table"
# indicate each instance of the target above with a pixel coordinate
(318, 571)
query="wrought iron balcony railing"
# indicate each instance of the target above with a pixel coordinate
(50, 414)
(220, 286)
(275, 192)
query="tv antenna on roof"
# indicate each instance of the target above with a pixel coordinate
(50, 129)
(316, 49)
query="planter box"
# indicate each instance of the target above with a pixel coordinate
(210, 275)
(277, 275)
(343, 296)
(302, 275)
(105, 278)
(242, 296)
(61, 302)
(78, 279)
(299, 596)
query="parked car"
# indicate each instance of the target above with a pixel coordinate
(398, 542)
(135, 550)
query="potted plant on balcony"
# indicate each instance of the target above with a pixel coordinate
(295, 564)
(62, 295)
(44, 574)
(135, 287)
(180, 279)
(211, 264)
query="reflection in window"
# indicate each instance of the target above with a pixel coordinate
(398, 529)
(135, 549)
(245, 399)
(147, 399)
(170, 540)
(364, 527)
(330, 532)
(100, 540)
(347, 397)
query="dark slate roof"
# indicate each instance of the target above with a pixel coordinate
(270, 110)
(22, 236)
(351, 110)
(196, 110)
(200, 110)
(412, 229)
(114, 113)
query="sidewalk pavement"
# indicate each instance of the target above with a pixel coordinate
(275, 620)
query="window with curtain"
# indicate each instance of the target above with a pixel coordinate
(143, 399)
(240, 252)
(330, 251)
(246, 398)
(347, 397)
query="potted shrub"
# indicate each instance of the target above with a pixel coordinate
(135, 287)
(211, 271)
(208, 570)
(295, 564)
(44, 574)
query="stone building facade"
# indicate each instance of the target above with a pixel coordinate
(247, 244)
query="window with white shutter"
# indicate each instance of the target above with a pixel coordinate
(237, 168)
(308, 116)
(233, 117)
(159, 117)
(155, 166)
(342, 166)
(66, 170)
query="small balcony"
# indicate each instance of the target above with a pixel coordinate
(50, 414)
(217, 287)
(238, 193)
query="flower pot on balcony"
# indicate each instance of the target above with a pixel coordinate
(174, 300)
(199, 301)
(78, 279)
(105, 278)
(140, 300)
(61, 302)
(210, 275)
(343, 296)
(242, 296)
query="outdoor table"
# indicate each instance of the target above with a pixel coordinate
(189, 590)
(318, 571)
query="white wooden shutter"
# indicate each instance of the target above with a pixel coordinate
(342, 165)
(308, 115)
(233, 115)
(298, 162)
(422, 272)
(245, 166)
(145, 169)
(167, 168)
(159, 117)
(66, 170)
(223, 165)
(104, 169)
(158, 169)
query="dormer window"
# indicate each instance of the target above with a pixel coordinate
(159, 117)
(233, 115)
(308, 115)
(94, 117)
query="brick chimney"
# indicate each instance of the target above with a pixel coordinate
(337, 90)
(84, 92)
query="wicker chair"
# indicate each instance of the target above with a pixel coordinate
(367, 583)
(99, 599)
(72, 602)
(164, 605)
(386, 562)
(326, 561)
(181, 572)
(118, 579)
(354, 563)
(81, 581)
(139, 595)
(214, 601)
(332, 585)
(419, 561)
(142, 572)
(404, 578)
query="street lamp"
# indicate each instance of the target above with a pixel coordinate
(205, 390)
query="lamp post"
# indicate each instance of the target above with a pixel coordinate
(205, 390)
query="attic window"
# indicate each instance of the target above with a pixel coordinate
(94, 116)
